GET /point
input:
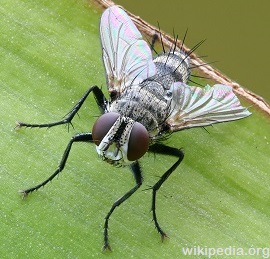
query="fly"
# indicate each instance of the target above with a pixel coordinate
(149, 100)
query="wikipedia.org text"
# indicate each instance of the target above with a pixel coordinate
(209, 252)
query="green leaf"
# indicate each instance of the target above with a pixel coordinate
(218, 197)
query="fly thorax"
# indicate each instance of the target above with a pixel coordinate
(175, 65)
(145, 104)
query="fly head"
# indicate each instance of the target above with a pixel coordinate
(120, 139)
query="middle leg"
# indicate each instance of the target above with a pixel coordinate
(135, 168)
(82, 137)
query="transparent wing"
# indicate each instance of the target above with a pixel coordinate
(127, 57)
(194, 106)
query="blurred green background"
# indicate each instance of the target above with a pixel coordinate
(218, 197)
(237, 34)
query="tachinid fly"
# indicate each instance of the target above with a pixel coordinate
(149, 99)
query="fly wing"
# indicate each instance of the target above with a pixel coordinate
(126, 56)
(195, 107)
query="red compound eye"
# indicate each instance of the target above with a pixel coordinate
(138, 142)
(103, 125)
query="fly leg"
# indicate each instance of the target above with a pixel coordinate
(162, 149)
(135, 168)
(100, 99)
(82, 137)
(153, 42)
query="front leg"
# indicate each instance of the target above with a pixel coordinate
(100, 99)
(165, 150)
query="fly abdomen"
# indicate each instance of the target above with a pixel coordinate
(172, 67)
